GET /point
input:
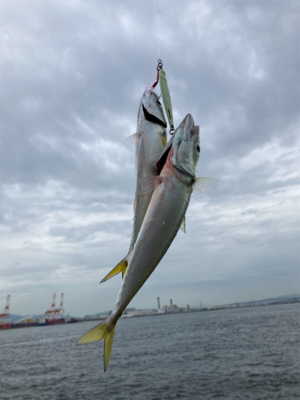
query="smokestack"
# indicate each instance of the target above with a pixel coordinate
(158, 303)
(171, 302)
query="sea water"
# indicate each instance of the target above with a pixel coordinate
(247, 353)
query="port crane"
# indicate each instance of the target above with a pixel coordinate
(55, 314)
(5, 316)
(50, 314)
(60, 310)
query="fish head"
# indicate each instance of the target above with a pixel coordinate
(151, 108)
(186, 146)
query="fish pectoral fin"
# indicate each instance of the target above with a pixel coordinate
(121, 267)
(101, 331)
(201, 185)
(134, 138)
(148, 184)
(182, 226)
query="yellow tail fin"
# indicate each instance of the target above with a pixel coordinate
(121, 267)
(102, 331)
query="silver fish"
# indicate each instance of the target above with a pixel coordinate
(150, 140)
(161, 223)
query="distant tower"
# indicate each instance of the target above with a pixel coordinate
(5, 316)
(62, 311)
(171, 302)
(158, 303)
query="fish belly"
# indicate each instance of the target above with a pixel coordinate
(162, 221)
(148, 150)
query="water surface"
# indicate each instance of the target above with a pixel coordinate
(249, 353)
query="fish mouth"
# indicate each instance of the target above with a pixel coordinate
(152, 118)
(188, 127)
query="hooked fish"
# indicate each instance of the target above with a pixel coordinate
(150, 139)
(167, 207)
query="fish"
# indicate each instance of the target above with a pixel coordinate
(165, 212)
(150, 139)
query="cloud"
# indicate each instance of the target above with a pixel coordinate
(72, 75)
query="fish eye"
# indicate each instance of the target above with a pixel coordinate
(197, 149)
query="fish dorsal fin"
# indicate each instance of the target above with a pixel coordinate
(166, 96)
(201, 185)
(183, 226)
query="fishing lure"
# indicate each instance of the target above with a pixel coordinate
(165, 93)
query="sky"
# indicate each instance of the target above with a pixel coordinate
(72, 75)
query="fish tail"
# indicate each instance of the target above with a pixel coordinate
(121, 267)
(106, 331)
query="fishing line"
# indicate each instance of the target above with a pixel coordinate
(162, 79)
(156, 20)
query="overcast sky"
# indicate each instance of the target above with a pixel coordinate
(71, 77)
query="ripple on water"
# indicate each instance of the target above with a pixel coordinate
(226, 354)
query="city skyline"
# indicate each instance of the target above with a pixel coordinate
(251, 299)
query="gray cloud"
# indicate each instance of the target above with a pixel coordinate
(71, 77)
